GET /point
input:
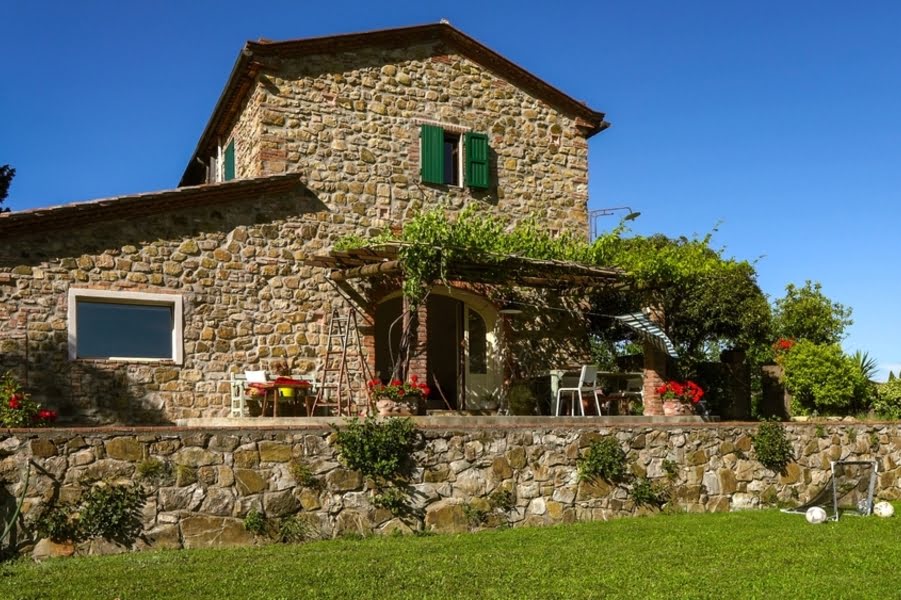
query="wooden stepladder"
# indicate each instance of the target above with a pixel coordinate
(344, 373)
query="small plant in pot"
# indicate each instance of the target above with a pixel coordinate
(399, 398)
(281, 369)
(680, 397)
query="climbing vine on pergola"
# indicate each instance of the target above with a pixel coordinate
(705, 297)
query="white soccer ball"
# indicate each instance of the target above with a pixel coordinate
(816, 515)
(883, 509)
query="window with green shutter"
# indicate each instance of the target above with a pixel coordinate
(478, 172)
(431, 154)
(229, 166)
(441, 157)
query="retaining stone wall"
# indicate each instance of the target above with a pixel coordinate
(213, 478)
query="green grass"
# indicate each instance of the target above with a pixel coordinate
(762, 554)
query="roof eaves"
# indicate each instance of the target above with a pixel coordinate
(244, 69)
(65, 215)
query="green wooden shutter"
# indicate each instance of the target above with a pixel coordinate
(229, 171)
(431, 154)
(478, 174)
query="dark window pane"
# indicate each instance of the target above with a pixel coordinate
(123, 330)
(451, 160)
(478, 344)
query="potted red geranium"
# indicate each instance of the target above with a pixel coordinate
(399, 397)
(679, 397)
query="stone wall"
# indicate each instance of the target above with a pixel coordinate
(212, 479)
(247, 301)
(350, 122)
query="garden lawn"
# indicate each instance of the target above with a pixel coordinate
(759, 554)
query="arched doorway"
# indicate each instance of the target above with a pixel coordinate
(460, 342)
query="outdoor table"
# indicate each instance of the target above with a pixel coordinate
(569, 377)
(273, 387)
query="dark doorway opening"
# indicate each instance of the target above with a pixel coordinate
(388, 330)
(444, 349)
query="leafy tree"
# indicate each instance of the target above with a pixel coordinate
(806, 313)
(6, 176)
(709, 302)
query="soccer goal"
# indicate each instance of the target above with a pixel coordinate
(849, 490)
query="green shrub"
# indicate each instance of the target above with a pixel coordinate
(393, 500)
(772, 447)
(304, 476)
(887, 403)
(475, 515)
(185, 475)
(58, 523)
(822, 379)
(378, 449)
(112, 512)
(106, 510)
(292, 530)
(288, 530)
(521, 400)
(670, 468)
(255, 522)
(502, 499)
(874, 442)
(645, 493)
(605, 459)
(152, 469)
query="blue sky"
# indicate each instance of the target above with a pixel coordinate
(778, 120)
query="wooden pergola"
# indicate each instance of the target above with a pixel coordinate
(385, 260)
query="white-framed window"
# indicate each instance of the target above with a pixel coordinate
(140, 326)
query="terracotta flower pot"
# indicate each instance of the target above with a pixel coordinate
(674, 408)
(390, 408)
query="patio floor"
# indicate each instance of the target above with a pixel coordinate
(447, 421)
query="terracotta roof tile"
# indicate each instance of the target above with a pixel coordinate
(117, 207)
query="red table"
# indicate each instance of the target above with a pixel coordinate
(273, 386)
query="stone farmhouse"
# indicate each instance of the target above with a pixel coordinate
(139, 308)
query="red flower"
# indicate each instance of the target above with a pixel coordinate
(14, 402)
(414, 379)
(783, 345)
(396, 382)
(681, 391)
(45, 414)
(373, 382)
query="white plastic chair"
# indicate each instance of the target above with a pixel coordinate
(588, 379)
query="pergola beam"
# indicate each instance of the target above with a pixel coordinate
(369, 270)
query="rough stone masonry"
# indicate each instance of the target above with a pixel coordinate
(212, 479)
